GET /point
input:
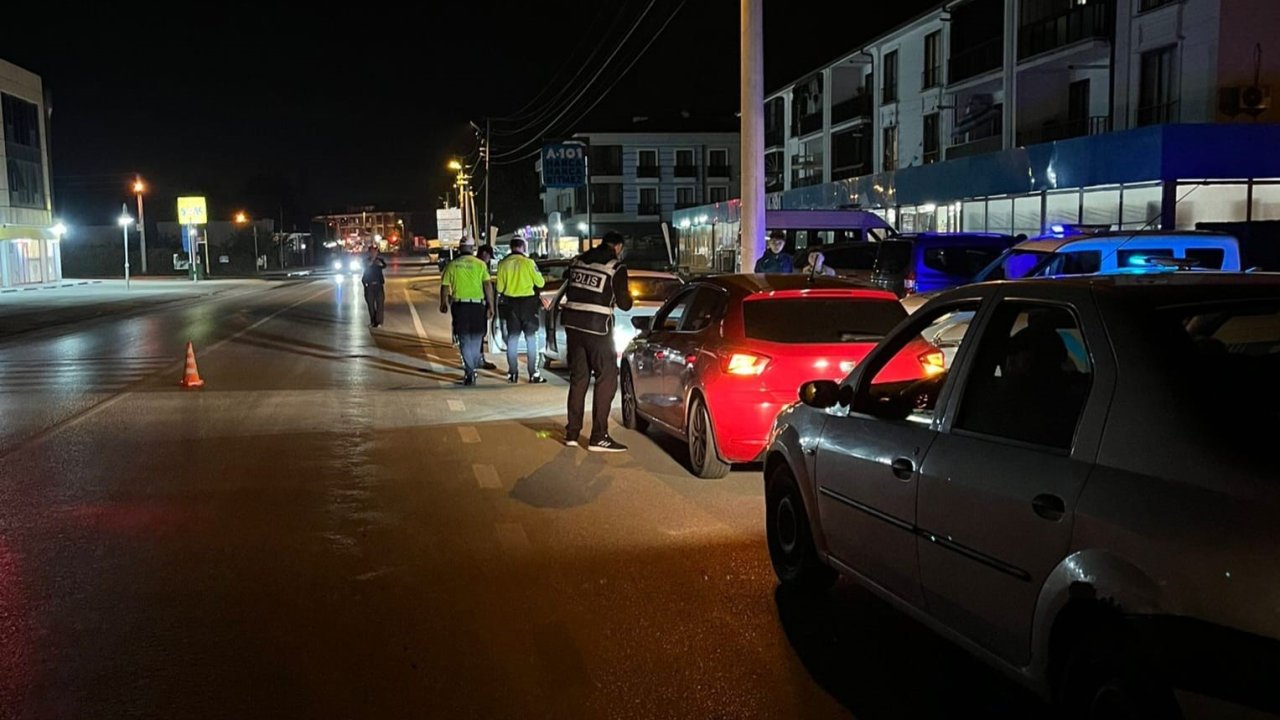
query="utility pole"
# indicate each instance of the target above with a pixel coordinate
(487, 182)
(138, 188)
(751, 83)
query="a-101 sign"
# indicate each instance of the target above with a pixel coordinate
(564, 165)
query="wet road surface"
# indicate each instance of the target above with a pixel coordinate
(332, 528)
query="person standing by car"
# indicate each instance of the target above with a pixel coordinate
(465, 289)
(375, 295)
(518, 283)
(815, 264)
(774, 259)
(596, 283)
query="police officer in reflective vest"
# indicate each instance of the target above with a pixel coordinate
(596, 283)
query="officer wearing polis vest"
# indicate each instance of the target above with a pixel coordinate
(596, 283)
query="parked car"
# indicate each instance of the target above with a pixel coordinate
(722, 357)
(1085, 499)
(1107, 252)
(649, 290)
(927, 262)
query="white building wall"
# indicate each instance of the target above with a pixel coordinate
(913, 101)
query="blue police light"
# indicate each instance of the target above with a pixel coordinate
(1139, 261)
(1058, 229)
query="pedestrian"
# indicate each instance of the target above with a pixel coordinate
(485, 255)
(375, 296)
(465, 291)
(596, 283)
(518, 283)
(774, 259)
(815, 264)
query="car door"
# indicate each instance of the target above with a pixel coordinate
(868, 459)
(649, 359)
(999, 484)
(555, 338)
(684, 345)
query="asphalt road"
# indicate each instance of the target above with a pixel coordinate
(332, 528)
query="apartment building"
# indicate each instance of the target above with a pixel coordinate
(1018, 115)
(30, 249)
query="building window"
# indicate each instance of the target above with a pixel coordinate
(606, 197)
(685, 167)
(932, 60)
(24, 160)
(649, 202)
(647, 163)
(605, 160)
(774, 171)
(718, 193)
(889, 79)
(1146, 5)
(684, 198)
(1158, 88)
(890, 160)
(718, 163)
(932, 139)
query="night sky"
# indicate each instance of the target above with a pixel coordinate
(267, 109)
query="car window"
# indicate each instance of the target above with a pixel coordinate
(1207, 258)
(906, 386)
(960, 261)
(1075, 262)
(653, 289)
(851, 257)
(669, 315)
(707, 307)
(893, 257)
(820, 319)
(1030, 377)
(1016, 264)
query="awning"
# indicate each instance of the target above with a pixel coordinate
(26, 232)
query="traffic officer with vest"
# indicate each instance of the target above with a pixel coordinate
(466, 291)
(518, 283)
(596, 283)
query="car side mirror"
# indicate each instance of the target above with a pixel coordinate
(824, 394)
(642, 324)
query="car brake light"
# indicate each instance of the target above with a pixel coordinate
(933, 362)
(745, 364)
(909, 282)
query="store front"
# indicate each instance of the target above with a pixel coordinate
(29, 256)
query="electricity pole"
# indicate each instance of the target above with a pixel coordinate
(751, 83)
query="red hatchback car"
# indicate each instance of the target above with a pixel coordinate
(718, 361)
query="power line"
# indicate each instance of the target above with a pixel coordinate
(590, 82)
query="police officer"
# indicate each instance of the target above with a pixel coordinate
(374, 291)
(518, 283)
(596, 283)
(465, 289)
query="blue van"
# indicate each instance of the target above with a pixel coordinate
(924, 262)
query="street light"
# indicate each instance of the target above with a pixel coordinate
(125, 221)
(138, 188)
(242, 218)
(59, 229)
(455, 166)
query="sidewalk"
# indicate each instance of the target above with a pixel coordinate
(36, 307)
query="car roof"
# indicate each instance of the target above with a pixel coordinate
(751, 283)
(1150, 290)
(1054, 244)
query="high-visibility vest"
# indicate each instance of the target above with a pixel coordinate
(588, 297)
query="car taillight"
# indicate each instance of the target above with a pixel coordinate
(909, 282)
(933, 362)
(745, 364)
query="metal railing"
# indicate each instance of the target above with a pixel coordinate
(971, 62)
(648, 210)
(718, 171)
(648, 171)
(858, 106)
(1083, 22)
(850, 171)
(807, 125)
(686, 171)
(980, 146)
(1065, 129)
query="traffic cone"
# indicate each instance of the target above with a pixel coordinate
(191, 377)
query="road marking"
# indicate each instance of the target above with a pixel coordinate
(511, 537)
(469, 434)
(487, 477)
(457, 406)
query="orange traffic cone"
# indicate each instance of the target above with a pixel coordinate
(191, 377)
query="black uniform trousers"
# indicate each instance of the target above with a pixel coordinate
(591, 355)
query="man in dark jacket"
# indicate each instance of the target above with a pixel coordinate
(375, 295)
(774, 259)
(596, 283)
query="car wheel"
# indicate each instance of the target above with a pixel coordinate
(703, 457)
(630, 412)
(1107, 677)
(791, 550)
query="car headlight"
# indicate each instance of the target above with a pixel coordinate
(337, 264)
(354, 266)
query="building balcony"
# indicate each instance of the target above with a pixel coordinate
(856, 107)
(1095, 21)
(1157, 114)
(981, 146)
(774, 182)
(774, 137)
(807, 125)
(1064, 130)
(718, 171)
(686, 171)
(850, 171)
(799, 181)
(986, 56)
(601, 208)
(648, 172)
(649, 210)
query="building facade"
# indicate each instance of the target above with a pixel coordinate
(30, 250)
(359, 229)
(1018, 115)
(638, 179)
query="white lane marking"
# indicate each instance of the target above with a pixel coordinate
(37, 438)
(457, 405)
(469, 434)
(511, 537)
(487, 477)
(422, 331)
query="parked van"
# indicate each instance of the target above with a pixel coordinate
(1112, 252)
(926, 262)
